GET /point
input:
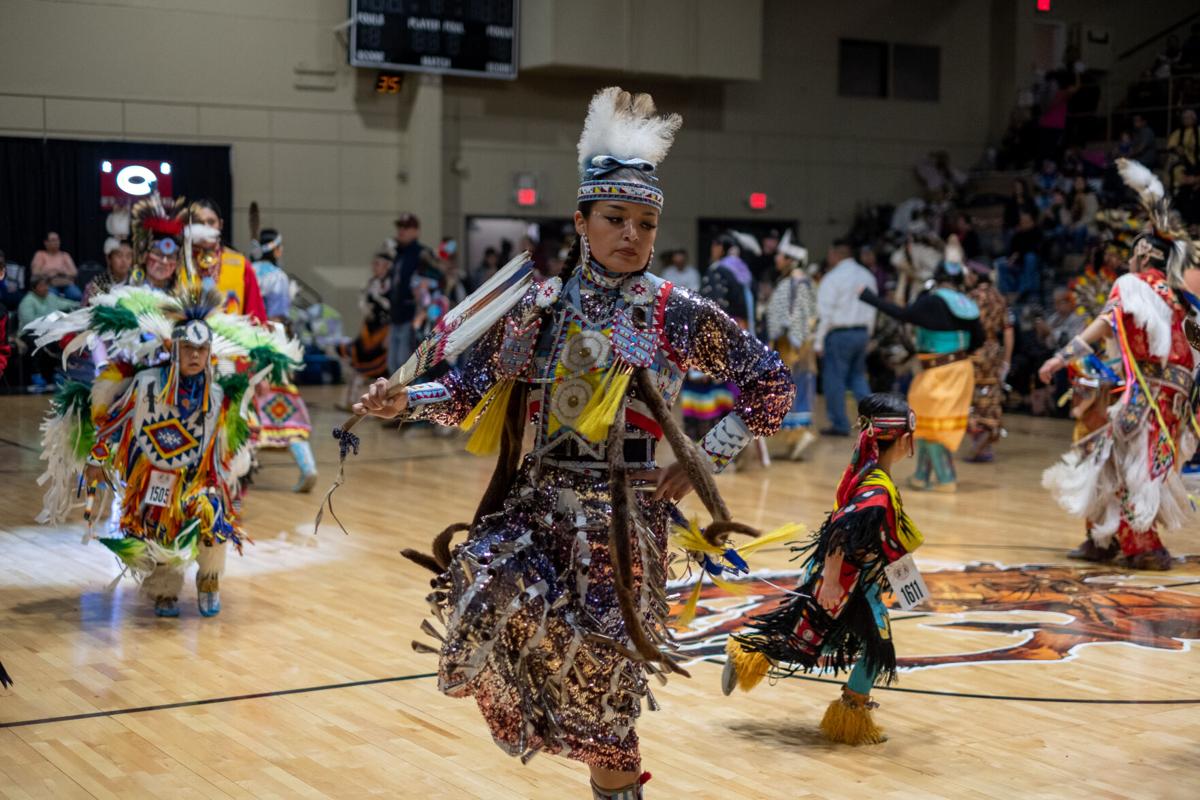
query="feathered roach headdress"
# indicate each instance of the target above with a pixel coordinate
(622, 143)
(156, 223)
(1164, 240)
(189, 326)
(135, 323)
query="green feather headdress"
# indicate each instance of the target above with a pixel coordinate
(138, 322)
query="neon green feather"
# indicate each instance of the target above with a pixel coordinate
(127, 548)
(237, 429)
(142, 301)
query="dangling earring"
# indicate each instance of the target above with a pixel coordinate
(585, 250)
(650, 261)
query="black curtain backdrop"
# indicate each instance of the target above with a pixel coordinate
(54, 185)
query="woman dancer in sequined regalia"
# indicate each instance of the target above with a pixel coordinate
(554, 607)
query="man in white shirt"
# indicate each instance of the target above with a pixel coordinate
(678, 271)
(843, 331)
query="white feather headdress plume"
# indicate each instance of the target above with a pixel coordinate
(747, 243)
(793, 251)
(625, 126)
(623, 142)
(1140, 179)
(1181, 252)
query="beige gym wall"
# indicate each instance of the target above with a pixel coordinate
(817, 155)
(328, 161)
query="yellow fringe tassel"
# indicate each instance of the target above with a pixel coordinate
(691, 539)
(685, 618)
(487, 418)
(751, 667)
(601, 410)
(850, 722)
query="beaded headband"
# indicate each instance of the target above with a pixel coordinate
(600, 184)
(622, 142)
(888, 427)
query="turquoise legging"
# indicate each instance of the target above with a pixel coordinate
(862, 677)
(934, 463)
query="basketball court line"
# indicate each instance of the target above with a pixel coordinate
(420, 676)
(214, 700)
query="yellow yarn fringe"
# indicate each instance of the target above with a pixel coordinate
(601, 410)
(751, 667)
(487, 418)
(850, 724)
(691, 540)
(688, 614)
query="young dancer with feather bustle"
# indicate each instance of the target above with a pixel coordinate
(1124, 478)
(837, 621)
(169, 433)
(163, 424)
(555, 606)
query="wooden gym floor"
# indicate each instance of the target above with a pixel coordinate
(1032, 676)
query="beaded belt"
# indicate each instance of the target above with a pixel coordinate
(1173, 375)
(931, 360)
(639, 454)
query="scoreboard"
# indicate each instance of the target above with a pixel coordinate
(456, 37)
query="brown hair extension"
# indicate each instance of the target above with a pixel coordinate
(441, 543)
(509, 459)
(422, 560)
(620, 533)
(694, 461)
(493, 499)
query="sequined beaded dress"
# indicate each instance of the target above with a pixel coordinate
(528, 601)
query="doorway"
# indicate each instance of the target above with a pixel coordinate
(763, 266)
(544, 237)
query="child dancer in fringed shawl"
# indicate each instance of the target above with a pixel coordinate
(555, 606)
(167, 431)
(1124, 478)
(837, 617)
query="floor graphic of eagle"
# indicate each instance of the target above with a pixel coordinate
(1096, 604)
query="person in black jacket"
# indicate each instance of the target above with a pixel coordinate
(411, 256)
(948, 330)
